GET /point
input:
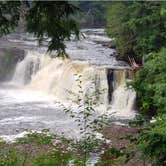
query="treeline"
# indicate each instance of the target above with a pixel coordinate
(139, 29)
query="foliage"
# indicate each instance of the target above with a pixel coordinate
(43, 138)
(152, 141)
(52, 159)
(150, 84)
(85, 116)
(121, 155)
(9, 156)
(147, 147)
(9, 16)
(51, 19)
(138, 121)
(138, 27)
(111, 157)
(40, 149)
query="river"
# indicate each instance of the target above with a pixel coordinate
(30, 98)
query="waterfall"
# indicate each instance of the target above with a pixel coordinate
(61, 78)
(123, 97)
(25, 69)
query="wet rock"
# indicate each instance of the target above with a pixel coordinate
(8, 60)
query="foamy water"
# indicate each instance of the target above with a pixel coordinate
(32, 100)
(22, 109)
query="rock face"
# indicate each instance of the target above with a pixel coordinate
(8, 60)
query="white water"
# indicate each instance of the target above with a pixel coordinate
(26, 69)
(60, 77)
(22, 109)
(31, 99)
(123, 97)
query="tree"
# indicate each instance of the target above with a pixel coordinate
(9, 16)
(51, 19)
(152, 141)
(150, 84)
(138, 27)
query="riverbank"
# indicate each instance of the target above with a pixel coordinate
(45, 148)
(121, 139)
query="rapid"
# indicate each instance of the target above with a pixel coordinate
(32, 96)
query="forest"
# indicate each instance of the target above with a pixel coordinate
(137, 30)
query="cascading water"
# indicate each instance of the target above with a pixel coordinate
(42, 83)
(123, 97)
(59, 77)
(25, 69)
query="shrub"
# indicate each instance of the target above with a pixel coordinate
(152, 142)
(150, 84)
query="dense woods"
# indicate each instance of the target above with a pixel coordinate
(138, 27)
(139, 31)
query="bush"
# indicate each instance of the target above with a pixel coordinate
(152, 142)
(150, 84)
(138, 27)
(52, 159)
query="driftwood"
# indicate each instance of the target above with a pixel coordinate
(133, 64)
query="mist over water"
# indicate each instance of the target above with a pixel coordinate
(40, 84)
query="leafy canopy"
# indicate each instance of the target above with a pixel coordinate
(138, 27)
(9, 16)
(152, 142)
(51, 19)
(150, 83)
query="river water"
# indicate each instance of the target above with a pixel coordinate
(31, 98)
(22, 109)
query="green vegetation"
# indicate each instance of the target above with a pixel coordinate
(52, 159)
(152, 141)
(28, 152)
(114, 156)
(89, 123)
(150, 84)
(41, 20)
(9, 16)
(138, 27)
(40, 149)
